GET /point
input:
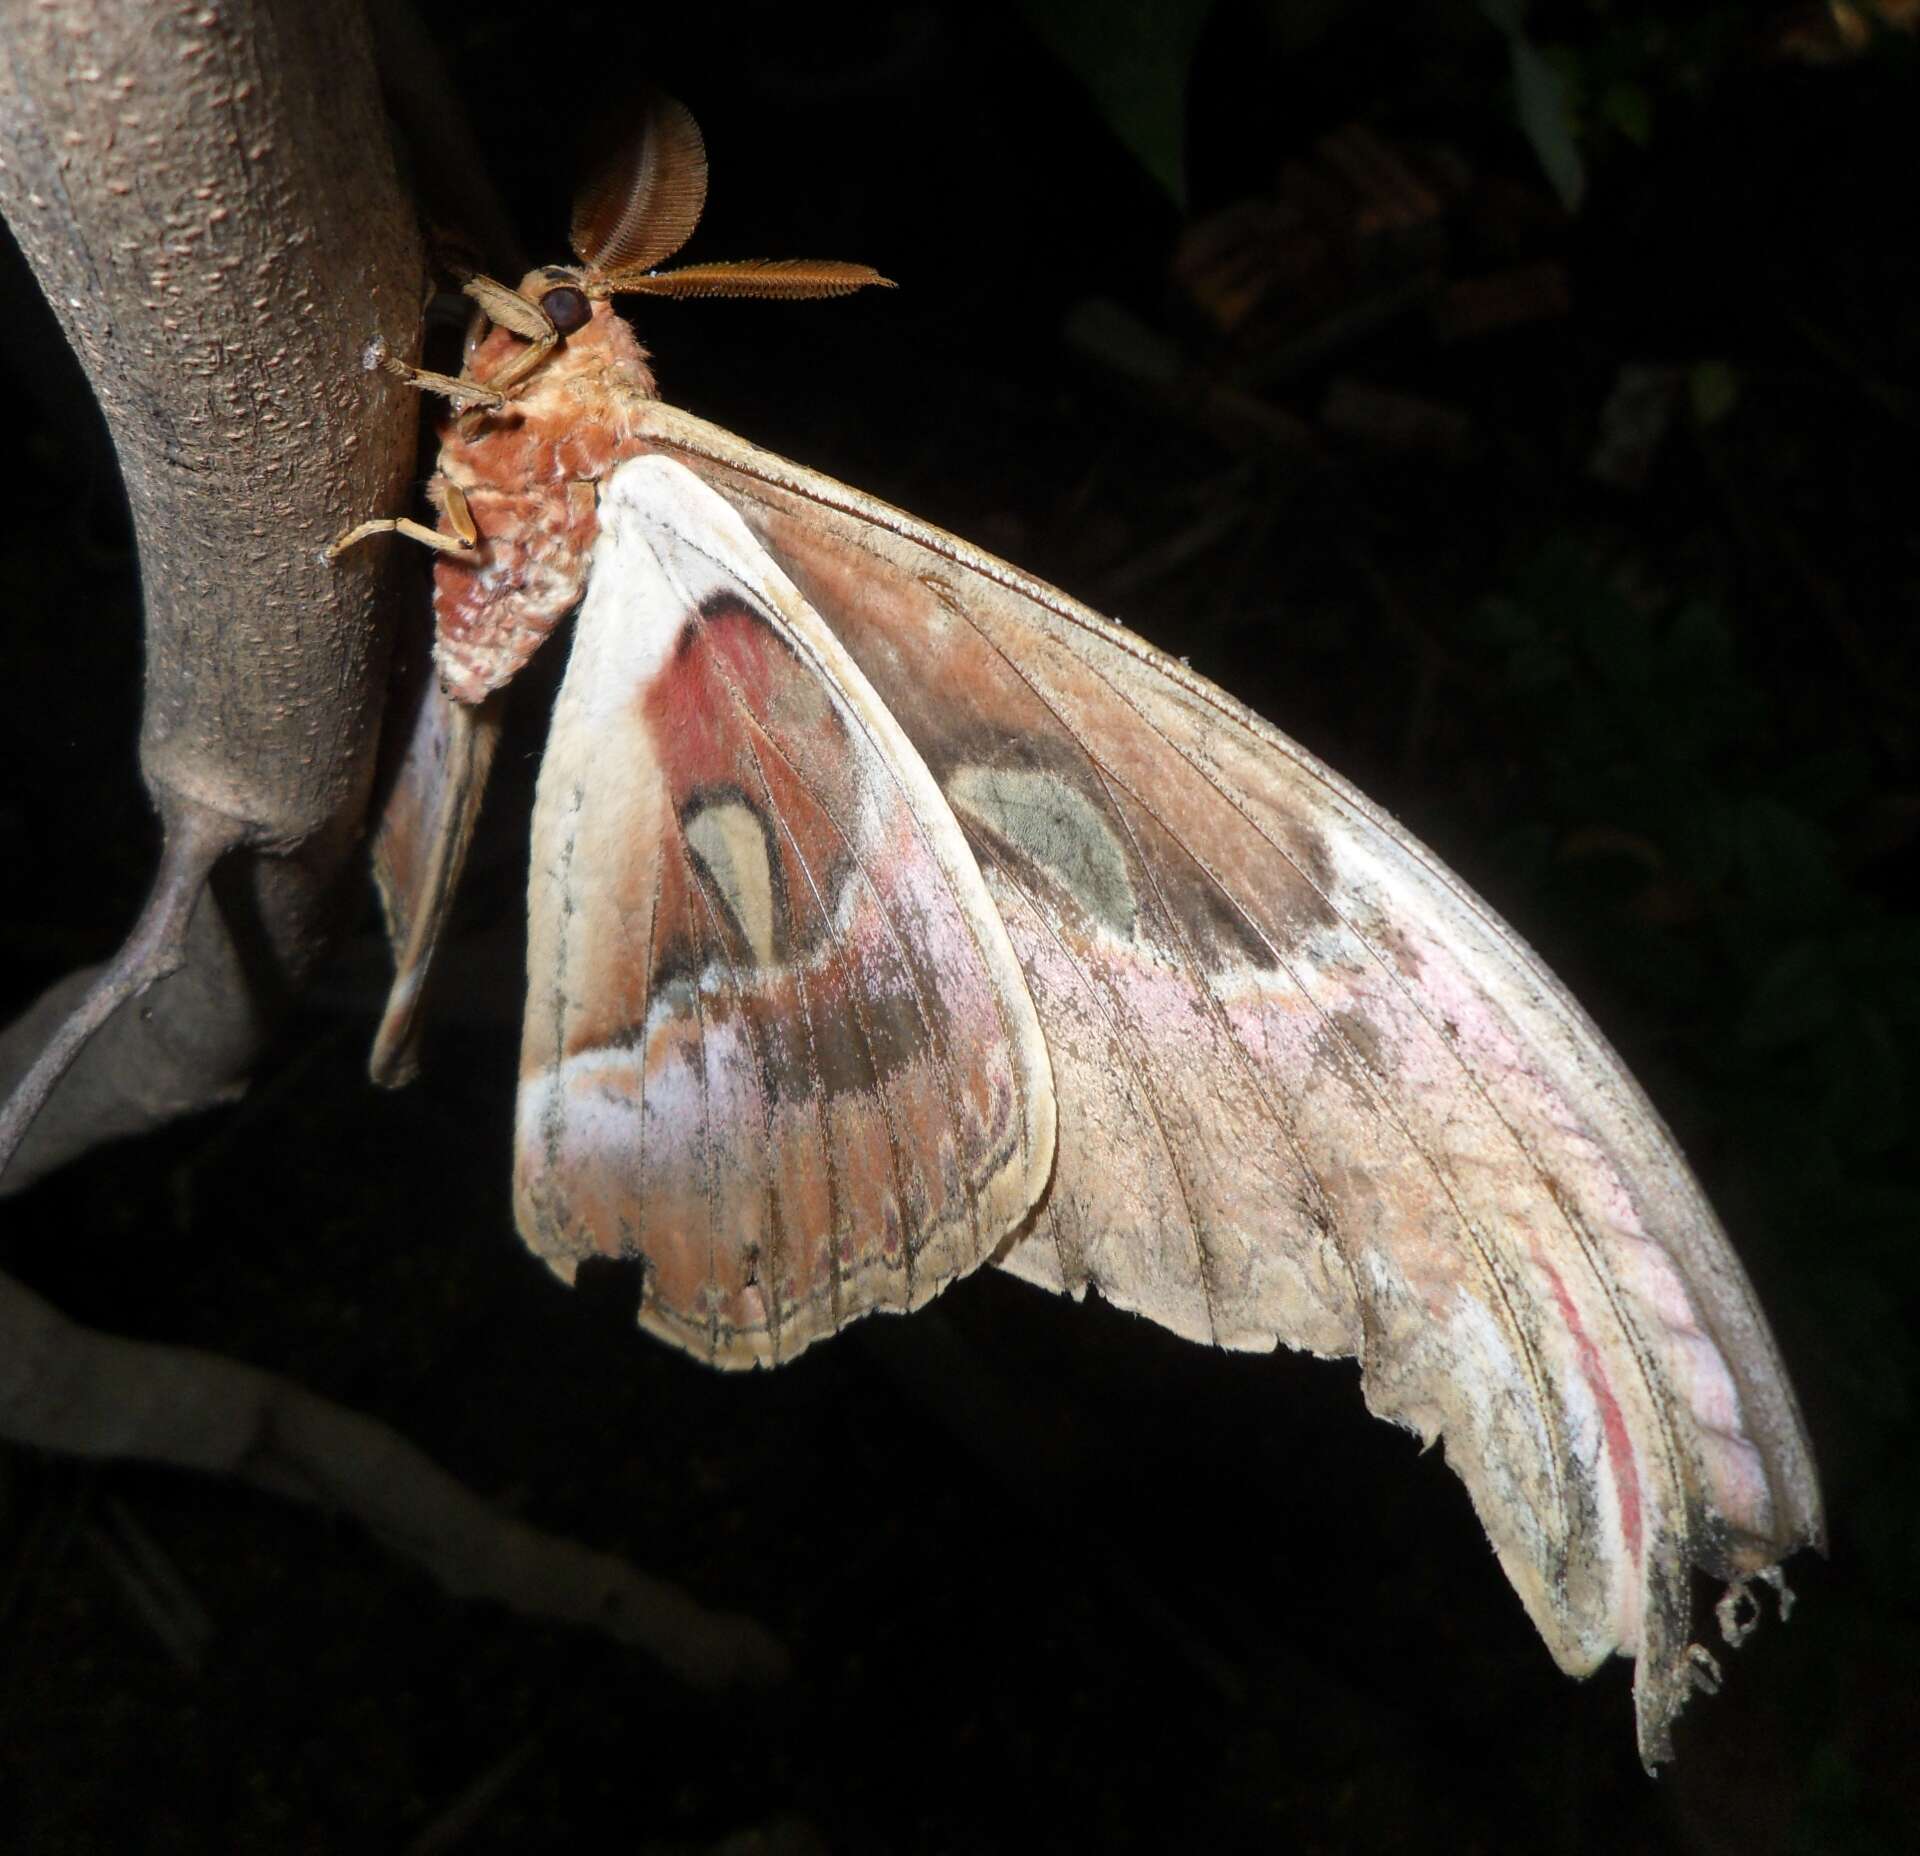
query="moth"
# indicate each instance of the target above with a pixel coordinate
(892, 914)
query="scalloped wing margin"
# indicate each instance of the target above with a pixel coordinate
(778, 1046)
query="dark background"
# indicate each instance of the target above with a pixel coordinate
(1051, 1578)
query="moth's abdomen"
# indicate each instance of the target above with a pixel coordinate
(490, 618)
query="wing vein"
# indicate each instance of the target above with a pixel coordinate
(707, 1158)
(1111, 1011)
(935, 1033)
(761, 1073)
(1584, 1242)
(895, 1154)
(1481, 1250)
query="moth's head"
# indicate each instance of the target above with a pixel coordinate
(576, 326)
(563, 294)
(640, 206)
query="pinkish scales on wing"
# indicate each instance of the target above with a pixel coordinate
(530, 474)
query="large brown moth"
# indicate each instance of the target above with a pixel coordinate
(892, 914)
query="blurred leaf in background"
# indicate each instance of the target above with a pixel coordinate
(1134, 56)
(1543, 98)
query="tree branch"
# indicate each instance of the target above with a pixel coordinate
(65, 1387)
(156, 948)
(207, 197)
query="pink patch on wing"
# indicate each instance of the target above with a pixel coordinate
(1626, 1475)
(726, 660)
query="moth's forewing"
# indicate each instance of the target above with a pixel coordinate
(777, 1040)
(1312, 1089)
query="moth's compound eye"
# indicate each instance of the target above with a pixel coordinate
(567, 308)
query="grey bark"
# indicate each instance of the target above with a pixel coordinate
(208, 197)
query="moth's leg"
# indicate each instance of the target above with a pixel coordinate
(511, 310)
(466, 393)
(446, 497)
(395, 525)
(523, 364)
(521, 314)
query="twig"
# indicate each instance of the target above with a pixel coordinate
(453, 1825)
(151, 1584)
(71, 1388)
(196, 840)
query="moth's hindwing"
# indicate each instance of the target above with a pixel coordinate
(777, 1042)
(419, 850)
